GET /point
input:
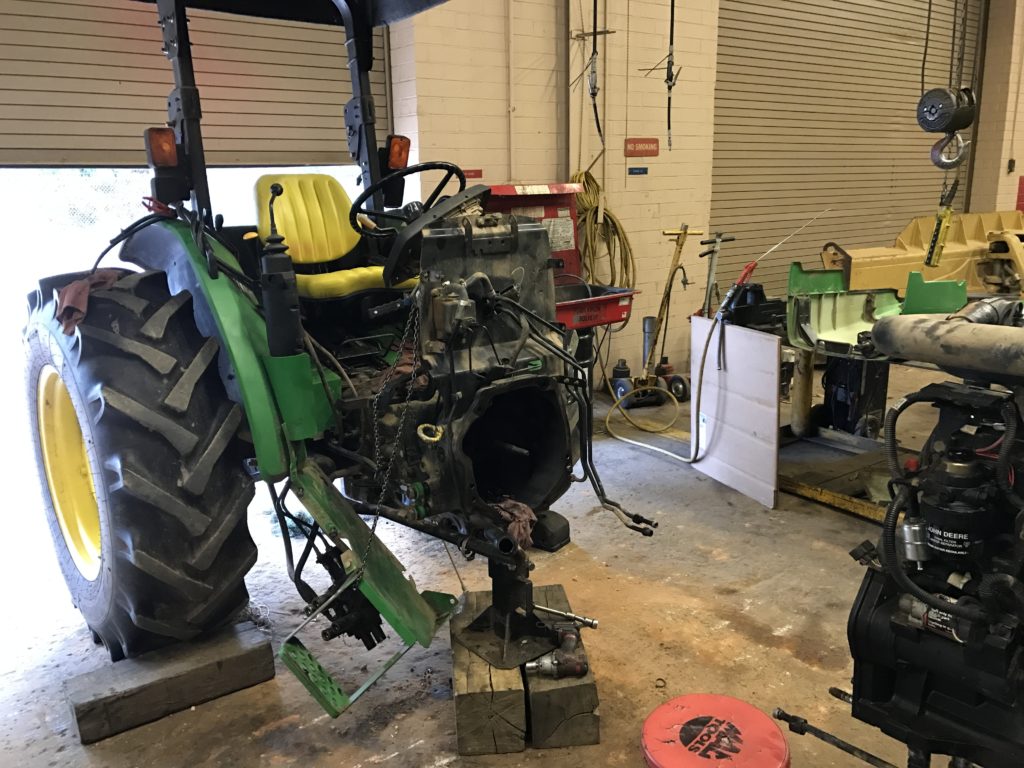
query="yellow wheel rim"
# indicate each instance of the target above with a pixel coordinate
(68, 475)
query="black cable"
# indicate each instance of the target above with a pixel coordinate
(124, 234)
(1003, 465)
(593, 78)
(924, 57)
(952, 41)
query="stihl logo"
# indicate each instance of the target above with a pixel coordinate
(711, 738)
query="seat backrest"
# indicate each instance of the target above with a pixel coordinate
(312, 215)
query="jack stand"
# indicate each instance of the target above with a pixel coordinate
(509, 633)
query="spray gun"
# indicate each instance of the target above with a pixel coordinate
(280, 291)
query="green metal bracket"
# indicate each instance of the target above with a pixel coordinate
(414, 616)
(384, 583)
(933, 297)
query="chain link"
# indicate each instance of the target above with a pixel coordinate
(412, 328)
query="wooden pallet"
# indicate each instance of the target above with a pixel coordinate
(502, 710)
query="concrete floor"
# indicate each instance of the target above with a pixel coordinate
(729, 597)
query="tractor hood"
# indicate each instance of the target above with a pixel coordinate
(316, 11)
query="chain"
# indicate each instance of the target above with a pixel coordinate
(412, 328)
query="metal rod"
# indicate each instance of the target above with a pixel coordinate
(586, 622)
(800, 726)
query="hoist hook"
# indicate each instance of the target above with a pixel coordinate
(948, 162)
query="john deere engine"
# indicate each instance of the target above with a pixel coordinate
(935, 632)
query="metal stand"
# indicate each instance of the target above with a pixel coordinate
(509, 633)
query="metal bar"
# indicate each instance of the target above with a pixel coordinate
(800, 726)
(586, 622)
(379, 673)
(841, 501)
(184, 112)
(360, 113)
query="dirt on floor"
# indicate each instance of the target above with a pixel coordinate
(729, 597)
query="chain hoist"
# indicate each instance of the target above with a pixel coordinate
(951, 109)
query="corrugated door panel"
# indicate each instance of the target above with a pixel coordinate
(815, 109)
(80, 80)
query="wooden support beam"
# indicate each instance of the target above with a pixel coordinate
(132, 692)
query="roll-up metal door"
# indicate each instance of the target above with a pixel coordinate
(81, 79)
(815, 109)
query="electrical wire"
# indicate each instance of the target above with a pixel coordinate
(332, 361)
(600, 226)
(131, 229)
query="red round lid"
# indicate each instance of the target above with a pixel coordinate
(698, 730)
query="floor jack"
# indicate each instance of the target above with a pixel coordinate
(657, 377)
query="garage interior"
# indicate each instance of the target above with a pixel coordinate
(430, 383)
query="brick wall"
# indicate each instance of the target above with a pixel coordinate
(677, 187)
(454, 92)
(1000, 123)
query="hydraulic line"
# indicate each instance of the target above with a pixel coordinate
(593, 78)
(671, 75)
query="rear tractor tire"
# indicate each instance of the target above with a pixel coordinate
(141, 466)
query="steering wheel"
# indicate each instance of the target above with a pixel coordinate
(358, 207)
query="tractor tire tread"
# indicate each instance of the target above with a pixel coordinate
(178, 491)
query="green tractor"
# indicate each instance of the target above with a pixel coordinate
(371, 359)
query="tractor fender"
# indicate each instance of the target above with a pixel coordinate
(224, 312)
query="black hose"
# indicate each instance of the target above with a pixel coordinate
(890, 446)
(1003, 465)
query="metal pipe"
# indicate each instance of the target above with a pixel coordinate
(952, 343)
(800, 393)
(650, 330)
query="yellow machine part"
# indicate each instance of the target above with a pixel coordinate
(68, 475)
(982, 249)
(312, 215)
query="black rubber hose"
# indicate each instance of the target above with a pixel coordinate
(894, 567)
(1003, 465)
(889, 444)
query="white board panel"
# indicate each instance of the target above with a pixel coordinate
(738, 420)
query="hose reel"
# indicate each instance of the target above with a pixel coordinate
(947, 111)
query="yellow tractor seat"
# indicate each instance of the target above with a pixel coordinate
(312, 215)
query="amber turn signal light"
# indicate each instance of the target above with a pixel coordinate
(161, 148)
(398, 152)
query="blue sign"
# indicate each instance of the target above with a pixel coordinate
(638, 171)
